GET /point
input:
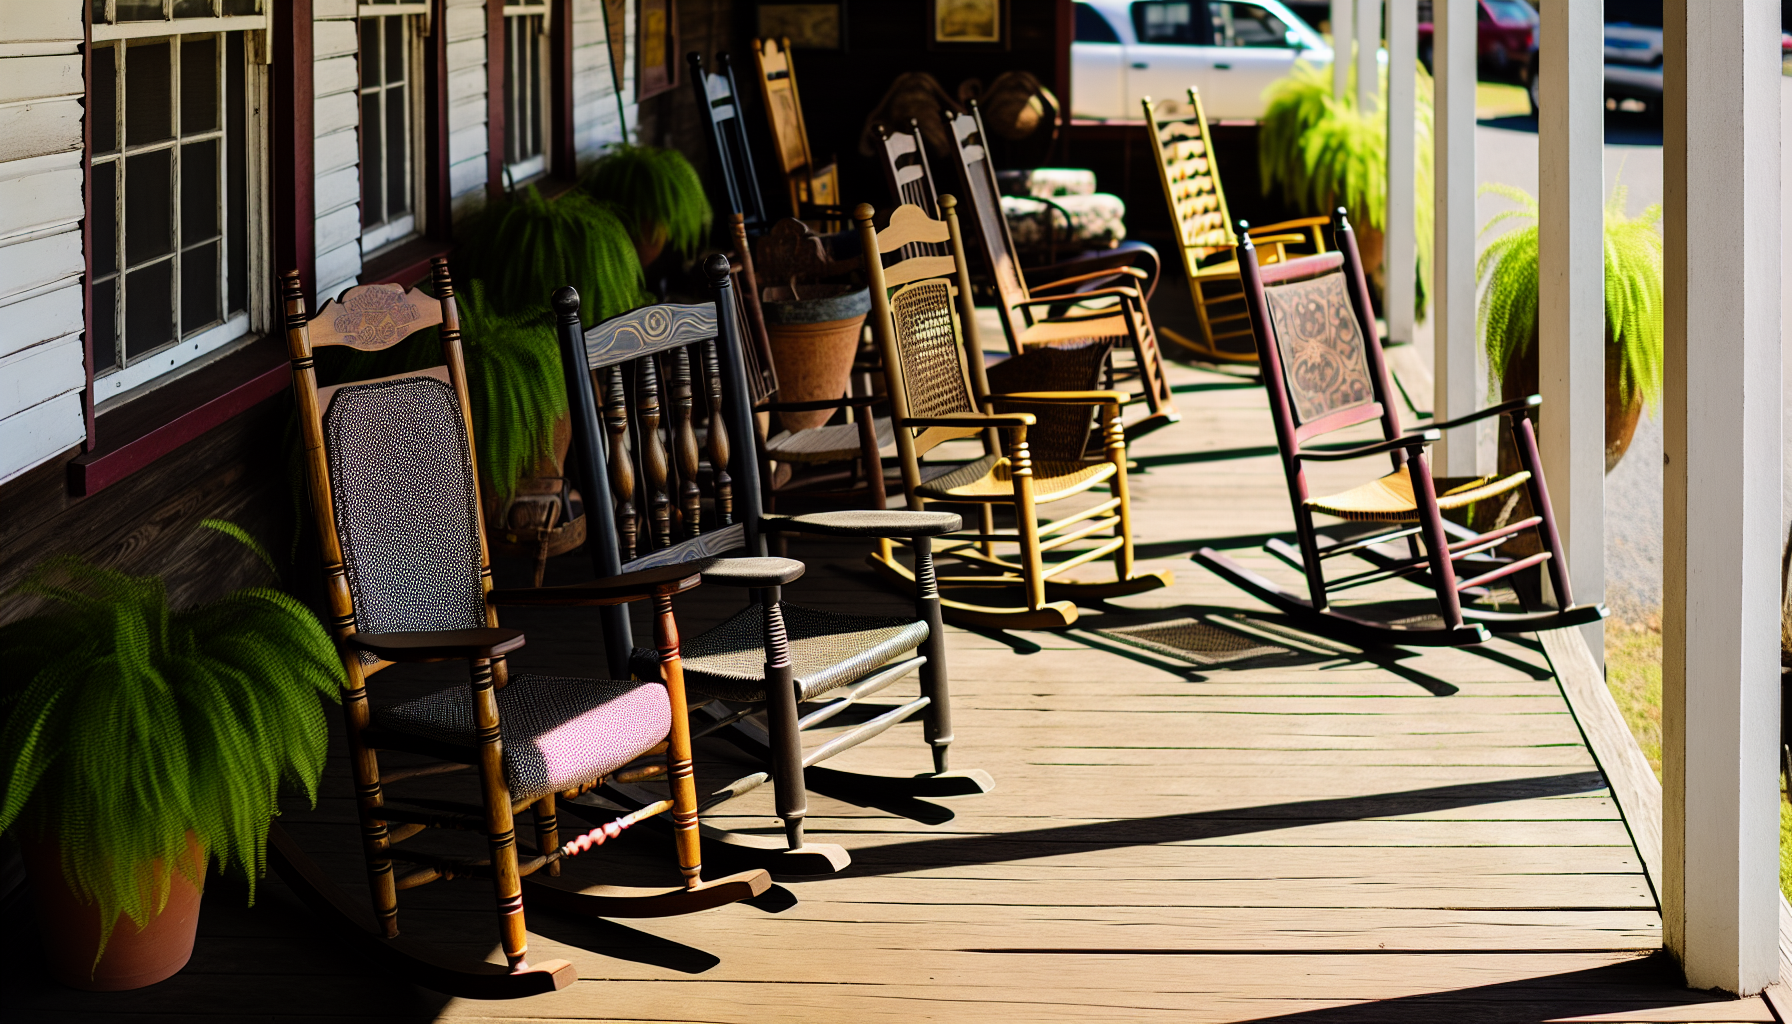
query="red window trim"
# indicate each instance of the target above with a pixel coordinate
(494, 98)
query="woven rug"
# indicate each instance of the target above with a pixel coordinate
(1193, 640)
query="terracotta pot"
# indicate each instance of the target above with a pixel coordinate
(1621, 417)
(1369, 245)
(649, 246)
(813, 342)
(515, 528)
(133, 958)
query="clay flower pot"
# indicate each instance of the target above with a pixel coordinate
(133, 958)
(813, 340)
(1621, 417)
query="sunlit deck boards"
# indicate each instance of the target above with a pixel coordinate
(1305, 838)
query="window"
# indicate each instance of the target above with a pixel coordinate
(1236, 24)
(1171, 22)
(173, 113)
(391, 114)
(526, 66)
(1091, 27)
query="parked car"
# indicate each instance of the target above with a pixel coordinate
(1505, 37)
(1633, 51)
(1231, 49)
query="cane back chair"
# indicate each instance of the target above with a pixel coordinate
(939, 390)
(393, 490)
(1324, 371)
(633, 384)
(814, 191)
(719, 99)
(1054, 313)
(1189, 173)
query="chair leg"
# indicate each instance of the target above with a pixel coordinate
(547, 830)
(375, 839)
(1026, 524)
(1526, 437)
(937, 726)
(500, 830)
(790, 793)
(1114, 434)
(1437, 544)
(986, 519)
(680, 766)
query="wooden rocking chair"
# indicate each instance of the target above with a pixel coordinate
(633, 383)
(718, 98)
(814, 191)
(1324, 371)
(1054, 313)
(1191, 180)
(938, 390)
(392, 480)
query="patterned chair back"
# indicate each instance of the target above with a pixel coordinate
(989, 229)
(717, 97)
(393, 471)
(1191, 180)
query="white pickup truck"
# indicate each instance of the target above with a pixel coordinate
(1232, 50)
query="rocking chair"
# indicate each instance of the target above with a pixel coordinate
(938, 390)
(1191, 179)
(719, 99)
(814, 191)
(632, 386)
(1324, 371)
(1055, 314)
(392, 480)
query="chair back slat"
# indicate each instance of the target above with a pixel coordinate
(910, 179)
(977, 179)
(371, 317)
(1191, 180)
(646, 331)
(719, 99)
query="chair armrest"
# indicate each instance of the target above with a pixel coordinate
(1423, 437)
(1123, 291)
(973, 420)
(1125, 254)
(753, 573)
(437, 644)
(1277, 239)
(1515, 405)
(1287, 225)
(1097, 275)
(621, 589)
(856, 402)
(1064, 397)
(867, 523)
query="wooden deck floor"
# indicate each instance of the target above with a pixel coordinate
(1303, 838)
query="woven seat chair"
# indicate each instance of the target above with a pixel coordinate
(939, 390)
(633, 385)
(392, 483)
(1324, 371)
(1190, 177)
(1056, 313)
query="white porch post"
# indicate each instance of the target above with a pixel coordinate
(1457, 387)
(1720, 678)
(1571, 290)
(1343, 31)
(1402, 243)
(1368, 45)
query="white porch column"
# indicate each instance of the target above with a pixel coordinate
(1368, 44)
(1402, 243)
(1457, 387)
(1571, 290)
(1720, 677)
(1343, 31)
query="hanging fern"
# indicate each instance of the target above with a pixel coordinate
(1507, 273)
(515, 387)
(125, 725)
(657, 194)
(1322, 152)
(524, 247)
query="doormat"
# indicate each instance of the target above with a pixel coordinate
(1193, 640)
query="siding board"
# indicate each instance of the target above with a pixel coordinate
(36, 78)
(336, 113)
(24, 21)
(40, 261)
(40, 373)
(39, 318)
(332, 76)
(334, 152)
(34, 202)
(338, 189)
(40, 432)
(39, 128)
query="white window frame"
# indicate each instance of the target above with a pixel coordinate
(415, 24)
(129, 377)
(536, 164)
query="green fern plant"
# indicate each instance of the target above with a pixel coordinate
(1322, 152)
(1507, 275)
(524, 246)
(124, 725)
(658, 195)
(515, 387)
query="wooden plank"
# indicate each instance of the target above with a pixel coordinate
(39, 128)
(39, 374)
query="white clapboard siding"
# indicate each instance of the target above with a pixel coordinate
(597, 116)
(465, 25)
(41, 262)
(335, 119)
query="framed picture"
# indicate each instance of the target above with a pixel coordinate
(807, 26)
(656, 47)
(968, 24)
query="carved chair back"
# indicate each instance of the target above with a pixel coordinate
(1191, 181)
(790, 135)
(989, 229)
(909, 177)
(719, 99)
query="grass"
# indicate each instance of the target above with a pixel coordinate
(1633, 673)
(1498, 99)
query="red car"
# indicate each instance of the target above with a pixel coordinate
(1505, 36)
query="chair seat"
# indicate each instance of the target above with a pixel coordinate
(1056, 332)
(991, 478)
(836, 442)
(1096, 222)
(558, 732)
(1390, 499)
(827, 650)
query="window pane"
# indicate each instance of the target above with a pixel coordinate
(395, 61)
(370, 52)
(535, 80)
(192, 8)
(198, 192)
(398, 191)
(102, 102)
(236, 170)
(372, 168)
(1167, 21)
(147, 93)
(105, 325)
(98, 9)
(236, 8)
(199, 85)
(104, 212)
(148, 308)
(199, 289)
(148, 206)
(139, 10)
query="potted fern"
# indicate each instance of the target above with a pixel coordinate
(1634, 327)
(1322, 152)
(657, 194)
(139, 743)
